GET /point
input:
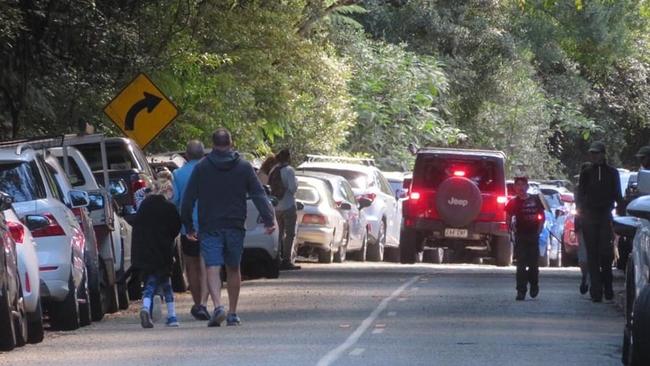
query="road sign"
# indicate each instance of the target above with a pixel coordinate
(141, 110)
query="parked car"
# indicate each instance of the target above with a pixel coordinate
(456, 200)
(550, 239)
(60, 241)
(636, 335)
(171, 161)
(261, 257)
(355, 216)
(367, 182)
(13, 322)
(28, 271)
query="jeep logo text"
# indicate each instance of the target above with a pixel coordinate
(453, 201)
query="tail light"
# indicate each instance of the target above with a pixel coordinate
(17, 232)
(414, 196)
(312, 219)
(540, 217)
(502, 200)
(53, 229)
(459, 173)
(370, 196)
(137, 184)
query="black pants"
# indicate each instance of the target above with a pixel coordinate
(287, 232)
(597, 230)
(527, 253)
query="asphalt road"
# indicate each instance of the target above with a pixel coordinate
(363, 314)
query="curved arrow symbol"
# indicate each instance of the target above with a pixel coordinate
(149, 101)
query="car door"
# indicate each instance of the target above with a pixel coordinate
(356, 231)
(392, 224)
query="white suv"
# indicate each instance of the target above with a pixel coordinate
(367, 182)
(59, 238)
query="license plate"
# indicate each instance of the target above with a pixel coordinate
(456, 233)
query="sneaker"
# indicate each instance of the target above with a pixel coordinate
(172, 322)
(534, 291)
(520, 296)
(233, 320)
(200, 312)
(584, 288)
(218, 316)
(609, 293)
(145, 319)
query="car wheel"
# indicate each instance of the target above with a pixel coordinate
(640, 340)
(391, 254)
(326, 255)
(179, 280)
(340, 255)
(95, 291)
(503, 255)
(122, 293)
(274, 268)
(85, 307)
(110, 304)
(64, 315)
(360, 255)
(35, 330)
(407, 247)
(7, 326)
(376, 250)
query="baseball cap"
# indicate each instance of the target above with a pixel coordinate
(597, 147)
(643, 151)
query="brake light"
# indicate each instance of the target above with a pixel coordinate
(370, 196)
(137, 184)
(414, 196)
(502, 200)
(312, 219)
(52, 229)
(540, 217)
(17, 232)
(459, 173)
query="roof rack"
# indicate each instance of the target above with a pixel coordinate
(452, 150)
(36, 143)
(341, 159)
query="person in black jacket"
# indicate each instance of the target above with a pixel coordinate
(155, 228)
(599, 187)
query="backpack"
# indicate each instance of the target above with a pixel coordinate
(278, 188)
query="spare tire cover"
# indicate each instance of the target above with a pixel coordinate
(458, 201)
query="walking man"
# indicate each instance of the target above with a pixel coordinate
(194, 266)
(284, 185)
(528, 213)
(599, 187)
(219, 185)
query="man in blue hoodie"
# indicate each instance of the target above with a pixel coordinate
(219, 185)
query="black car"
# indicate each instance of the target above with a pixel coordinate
(13, 322)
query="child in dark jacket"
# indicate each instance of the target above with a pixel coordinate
(155, 229)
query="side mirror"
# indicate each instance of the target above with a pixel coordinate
(626, 226)
(96, 201)
(35, 222)
(558, 213)
(345, 206)
(364, 202)
(300, 206)
(117, 187)
(78, 198)
(5, 201)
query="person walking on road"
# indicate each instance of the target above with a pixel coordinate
(194, 266)
(599, 187)
(582, 246)
(528, 213)
(219, 186)
(155, 227)
(284, 185)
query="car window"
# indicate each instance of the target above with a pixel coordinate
(395, 185)
(307, 194)
(51, 182)
(142, 160)
(552, 198)
(349, 194)
(383, 184)
(56, 177)
(21, 181)
(75, 176)
(430, 171)
(118, 156)
(356, 179)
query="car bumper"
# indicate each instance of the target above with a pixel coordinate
(435, 230)
(316, 236)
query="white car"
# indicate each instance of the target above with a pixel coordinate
(261, 256)
(29, 276)
(367, 182)
(60, 241)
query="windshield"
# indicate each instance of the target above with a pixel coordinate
(431, 171)
(356, 179)
(21, 181)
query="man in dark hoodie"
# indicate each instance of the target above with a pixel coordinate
(219, 185)
(599, 187)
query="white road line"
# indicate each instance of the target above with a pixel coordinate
(392, 313)
(334, 354)
(357, 351)
(378, 330)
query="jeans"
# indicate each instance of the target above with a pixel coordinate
(151, 284)
(527, 253)
(287, 232)
(597, 230)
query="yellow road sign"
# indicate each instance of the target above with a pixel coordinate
(141, 110)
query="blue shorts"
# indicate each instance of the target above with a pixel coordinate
(224, 246)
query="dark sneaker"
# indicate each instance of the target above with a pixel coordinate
(200, 312)
(520, 296)
(218, 316)
(145, 319)
(534, 291)
(172, 322)
(584, 288)
(233, 320)
(597, 299)
(609, 293)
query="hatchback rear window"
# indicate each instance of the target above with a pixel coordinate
(21, 181)
(430, 171)
(307, 194)
(356, 179)
(118, 156)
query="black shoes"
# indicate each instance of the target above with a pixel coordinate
(534, 291)
(521, 295)
(200, 312)
(584, 288)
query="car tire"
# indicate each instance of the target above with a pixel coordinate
(85, 307)
(503, 247)
(35, 331)
(376, 250)
(64, 315)
(391, 254)
(326, 255)
(408, 247)
(110, 304)
(341, 253)
(7, 333)
(360, 255)
(179, 280)
(640, 345)
(95, 291)
(274, 268)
